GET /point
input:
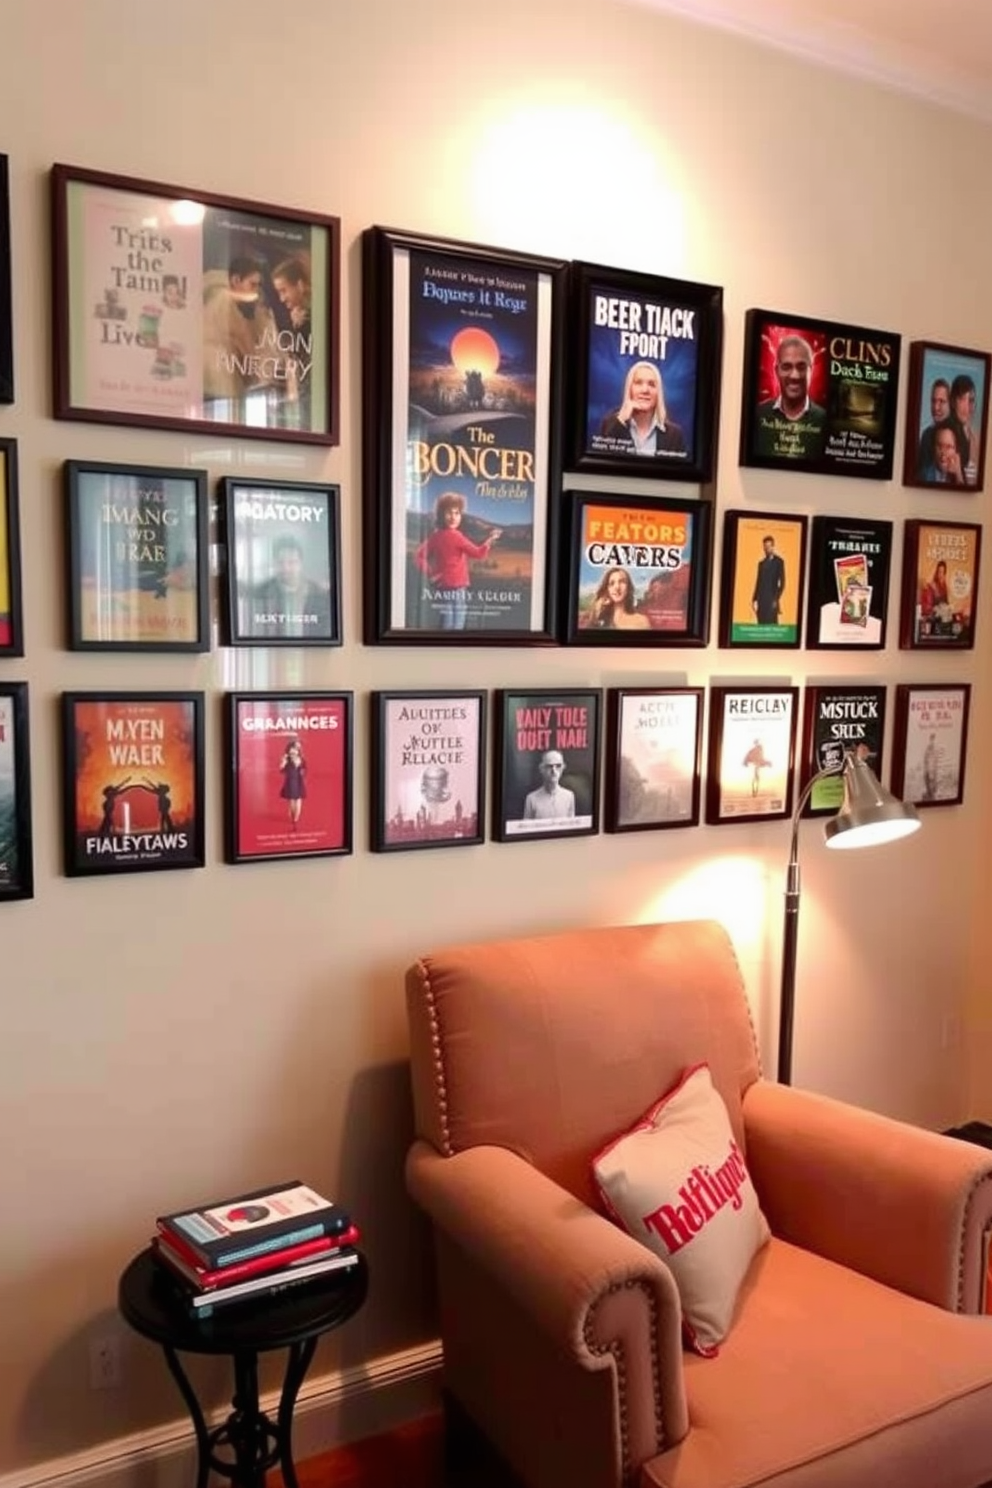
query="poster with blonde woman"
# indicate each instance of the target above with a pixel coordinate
(646, 370)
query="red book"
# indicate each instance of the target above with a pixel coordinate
(170, 1249)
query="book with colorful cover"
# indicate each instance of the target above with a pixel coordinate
(202, 1304)
(255, 1223)
(171, 1251)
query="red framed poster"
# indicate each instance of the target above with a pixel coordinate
(132, 766)
(289, 777)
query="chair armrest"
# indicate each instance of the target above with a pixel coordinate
(908, 1207)
(601, 1296)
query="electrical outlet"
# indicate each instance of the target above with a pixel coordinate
(105, 1362)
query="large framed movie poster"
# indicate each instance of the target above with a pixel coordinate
(132, 772)
(460, 441)
(645, 373)
(547, 764)
(183, 309)
(289, 776)
(819, 396)
(849, 567)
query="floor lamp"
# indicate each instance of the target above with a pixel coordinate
(870, 814)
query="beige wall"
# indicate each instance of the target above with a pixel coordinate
(169, 1036)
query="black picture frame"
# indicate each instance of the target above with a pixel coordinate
(661, 546)
(288, 776)
(117, 749)
(6, 302)
(11, 606)
(851, 387)
(763, 580)
(946, 382)
(752, 727)
(941, 562)
(654, 739)
(673, 330)
(137, 550)
(528, 724)
(151, 289)
(930, 746)
(16, 854)
(850, 566)
(428, 769)
(838, 720)
(277, 535)
(462, 398)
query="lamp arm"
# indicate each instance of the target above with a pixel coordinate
(790, 932)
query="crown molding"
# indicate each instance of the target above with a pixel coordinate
(806, 32)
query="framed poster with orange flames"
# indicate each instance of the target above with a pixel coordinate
(132, 766)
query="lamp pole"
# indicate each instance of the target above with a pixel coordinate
(790, 933)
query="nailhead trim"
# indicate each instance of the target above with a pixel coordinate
(972, 1195)
(437, 1045)
(616, 1349)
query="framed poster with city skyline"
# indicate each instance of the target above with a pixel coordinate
(132, 781)
(183, 309)
(428, 770)
(947, 412)
(645, 373)
(137, 557)
(6, 313)
(460, 441)
(282, 574)
(819, 396)
(289, 773)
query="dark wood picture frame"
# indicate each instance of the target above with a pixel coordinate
(841, 380)
(938, 607)
(138, 561)
(745, 722)
(638, 570)
(763, 580)
(282, 543)
(529, 723)
(152, 287)
(428, 769)
(946, 382)
(931, 742)
(288, 777)
(850, 566)
(665, 335)
(116, 744)
(654, 738)
(6, 301)
(836, 720)
(461, 437)
(11, 607)
(16, 855)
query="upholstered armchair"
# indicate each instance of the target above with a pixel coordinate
(857, 1356)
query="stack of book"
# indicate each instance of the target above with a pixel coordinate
(254, 1245)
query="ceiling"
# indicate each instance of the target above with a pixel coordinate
(913, 45)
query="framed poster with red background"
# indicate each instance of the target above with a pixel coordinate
(289, 776)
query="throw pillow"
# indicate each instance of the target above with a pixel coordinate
(678, 1182)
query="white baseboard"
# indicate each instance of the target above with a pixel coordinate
(346, 1405)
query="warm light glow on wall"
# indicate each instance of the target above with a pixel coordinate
(731, 888)
(541, 172)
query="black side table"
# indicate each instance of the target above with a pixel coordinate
(151, 1302)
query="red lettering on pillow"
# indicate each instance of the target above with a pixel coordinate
(703, 1194)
